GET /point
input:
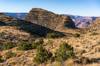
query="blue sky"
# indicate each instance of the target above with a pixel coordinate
(74, 7)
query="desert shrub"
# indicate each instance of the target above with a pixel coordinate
(23, 45)
(9, 54)
(37, 43)
(64, 52)
(77, 35)
(55, 35)
(83, 60)
(1, 59)
(94, 33)
(7, 45)
(42, 55)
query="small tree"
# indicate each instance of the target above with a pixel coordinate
(42, 55)
(64, 52)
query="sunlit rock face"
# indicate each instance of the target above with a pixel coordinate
(49, 19)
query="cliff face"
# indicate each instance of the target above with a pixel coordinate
(48, 19)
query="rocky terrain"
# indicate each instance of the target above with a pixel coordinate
(44, 38)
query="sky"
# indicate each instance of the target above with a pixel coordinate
(72, 7)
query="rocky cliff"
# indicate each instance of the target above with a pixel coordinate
(49, 19)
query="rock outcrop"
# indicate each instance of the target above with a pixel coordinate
(48, 19)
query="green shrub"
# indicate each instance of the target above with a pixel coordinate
(1, 59)
(42, 55)
(37, 43)
(9, 54)
(7, 45)
(64, 52)
(24, 46)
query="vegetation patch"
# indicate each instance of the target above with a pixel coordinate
(1, 59)
(7, 45)
(24, 46)
(9, 54)
(64, 52)
(37, 43)
(42, 55)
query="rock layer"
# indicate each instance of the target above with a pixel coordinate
(48, 19)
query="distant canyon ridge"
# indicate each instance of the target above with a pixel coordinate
(80, 21)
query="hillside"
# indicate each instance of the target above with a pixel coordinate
(44, 38)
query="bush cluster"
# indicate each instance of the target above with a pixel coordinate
(24, 46)
(64, 52)
(7, 45)
(37, 43)
(42, 55)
